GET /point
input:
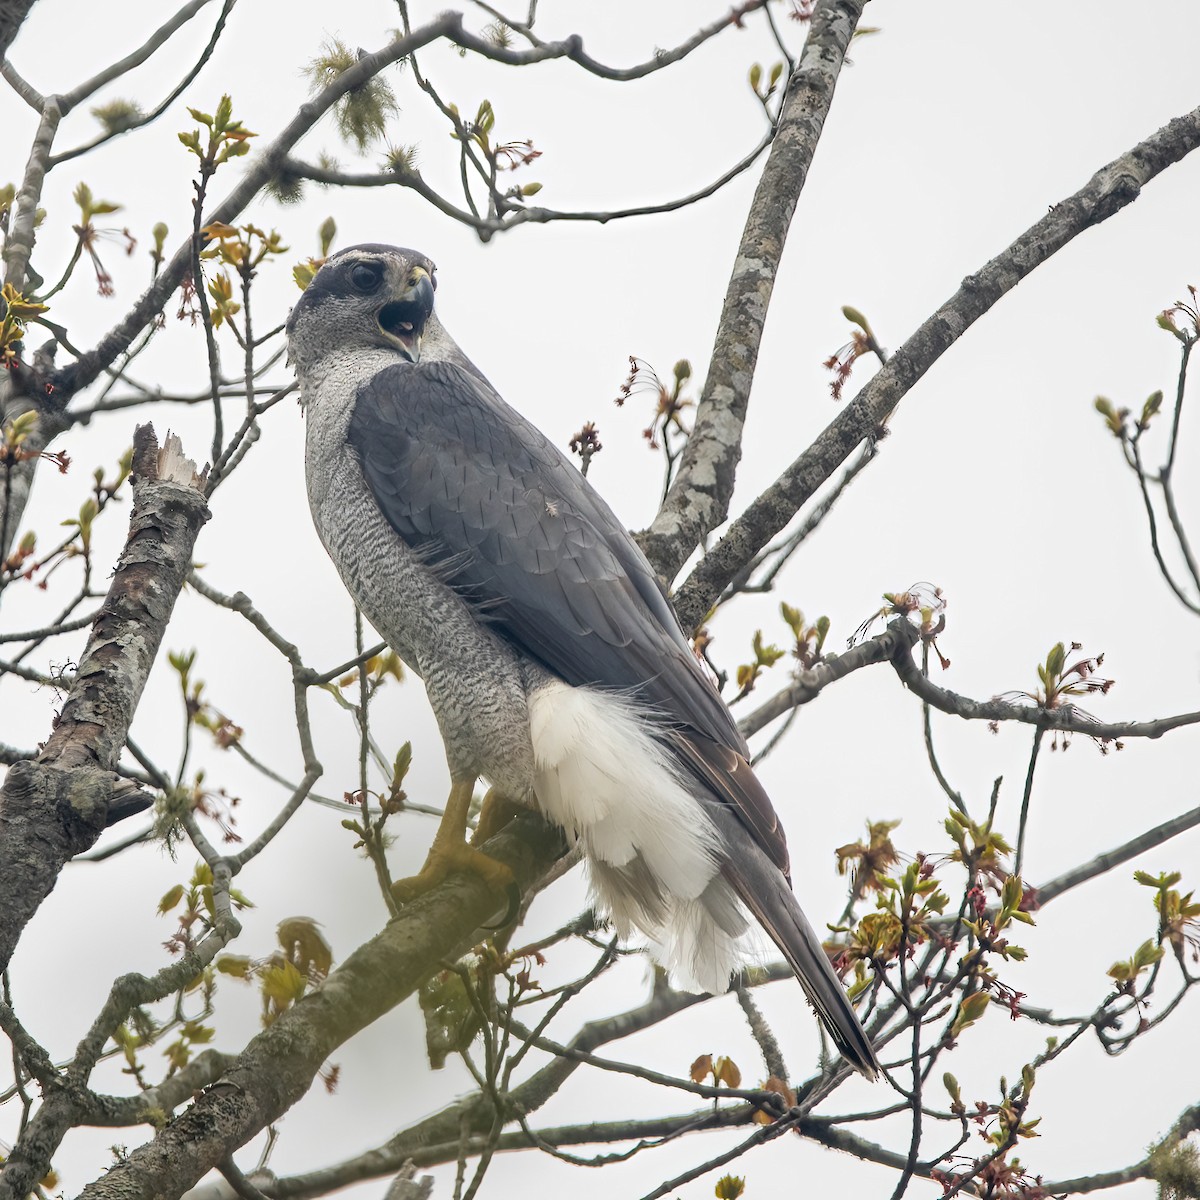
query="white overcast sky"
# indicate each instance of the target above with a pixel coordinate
(954, 130)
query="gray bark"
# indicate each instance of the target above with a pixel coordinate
(1106, 193)
(277, 1067)
(699, 498)
(55, 807)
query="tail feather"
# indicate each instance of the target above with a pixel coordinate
(765, 892)
(670, 852)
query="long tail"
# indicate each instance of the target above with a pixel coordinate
(762, 888)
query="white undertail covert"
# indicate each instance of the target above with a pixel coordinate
(651, 852)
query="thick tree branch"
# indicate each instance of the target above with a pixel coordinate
(279, 1065)
(1106, 193)
(56, 807)
(699, 498)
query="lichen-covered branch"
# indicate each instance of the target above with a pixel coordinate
(699, 497)
(1105, 194)
(55, 807)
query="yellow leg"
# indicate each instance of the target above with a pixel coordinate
(450, 852)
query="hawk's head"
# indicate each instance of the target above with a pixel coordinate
(365, 297)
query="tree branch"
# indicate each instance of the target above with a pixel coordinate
(268, 164)
(55, 808)
(1105, 862)
(1068, 718)
(1106, 193)
(473, 1116)
(895, 641)
(485, 226)
(1188, 1122)
(278, 1066)
(699, 497)
(185, 14)
(77, 95)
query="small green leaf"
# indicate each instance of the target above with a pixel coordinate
(1055, 660)
(969, 1011)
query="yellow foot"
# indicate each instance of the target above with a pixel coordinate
(443, 859)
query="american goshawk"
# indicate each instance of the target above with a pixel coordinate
(551, 656)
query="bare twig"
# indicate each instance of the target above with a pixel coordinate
(1067, 718)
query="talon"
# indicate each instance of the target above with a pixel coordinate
(513, 894)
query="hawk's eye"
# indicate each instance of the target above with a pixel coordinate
(365, 277)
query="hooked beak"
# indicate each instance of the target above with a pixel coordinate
(403, 320)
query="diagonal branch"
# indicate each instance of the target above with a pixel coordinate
(1188, 1123)
(699, 498)
(278, 1066)
(472, 1117)
(1103, 863)
(185, 14)
(1106, 193)
(65, 383)
(267, 165)
(77, 95)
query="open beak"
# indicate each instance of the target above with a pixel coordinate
(403, 320)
